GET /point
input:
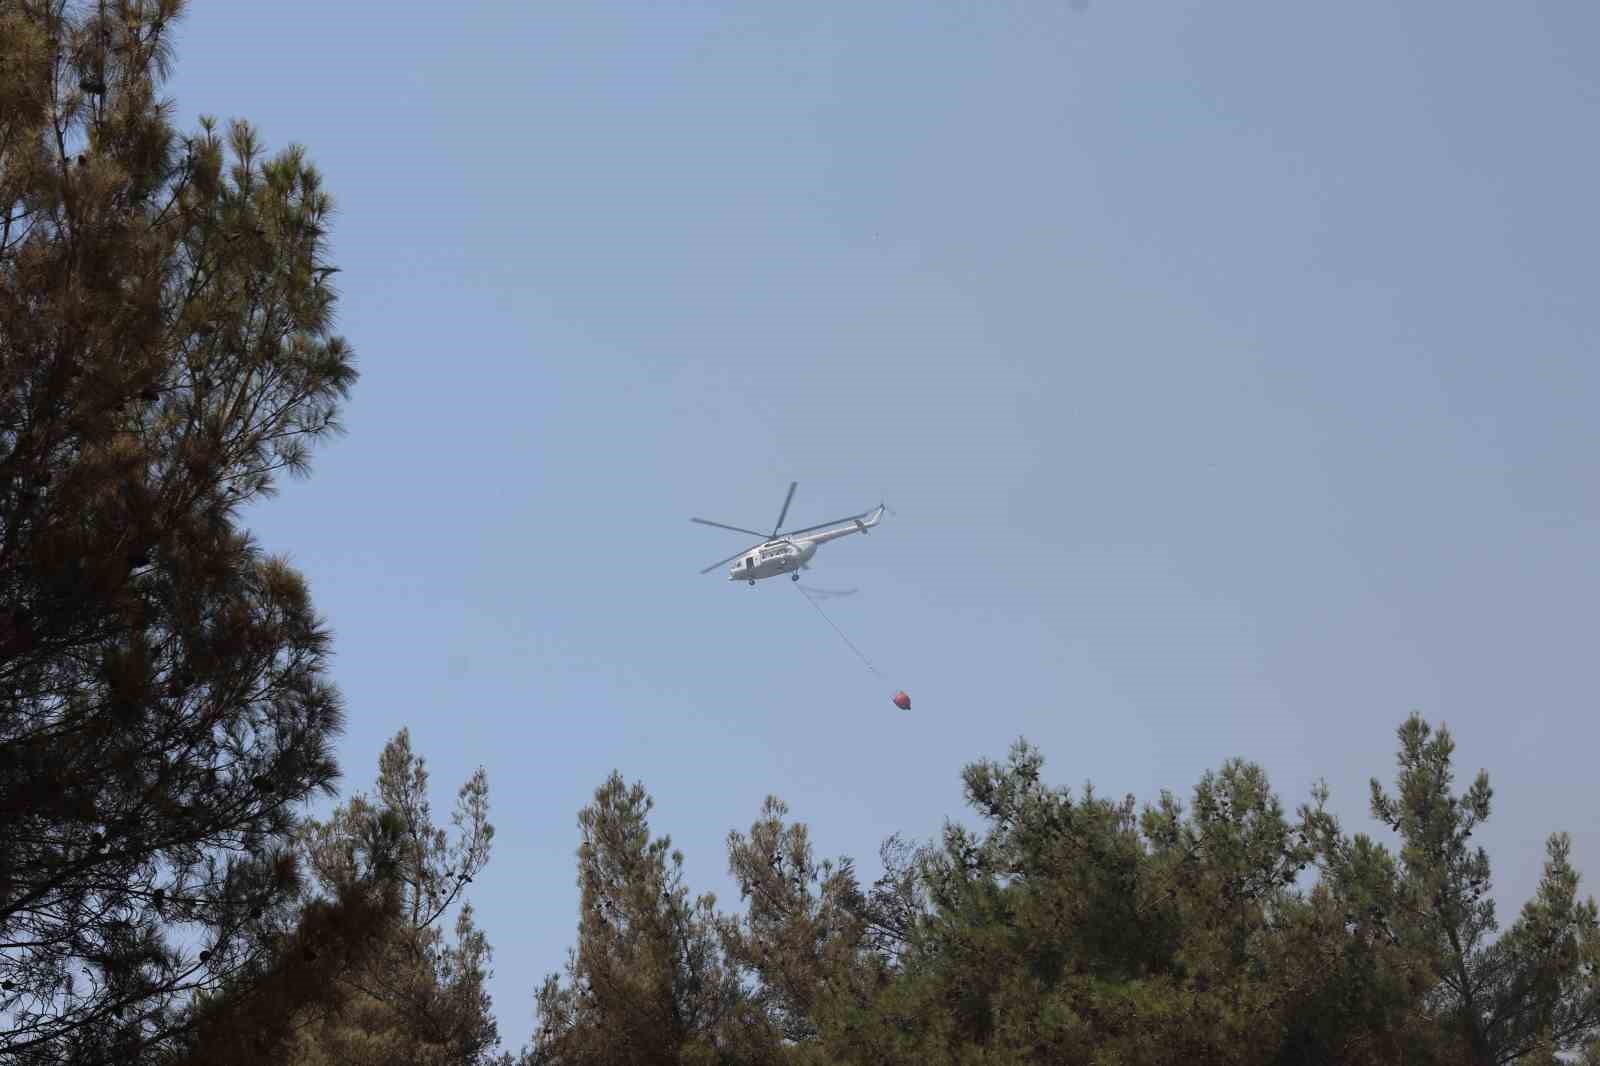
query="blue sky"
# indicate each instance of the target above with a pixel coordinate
(1229, 368)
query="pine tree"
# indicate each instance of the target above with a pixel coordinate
(417, 997)
(257, 1017)
(805, 925)
(164, 354)
(1532, 992)
(646, 982)
(813, 948)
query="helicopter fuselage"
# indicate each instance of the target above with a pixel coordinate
(772, 559)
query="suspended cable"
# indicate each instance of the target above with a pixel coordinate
(839, 631)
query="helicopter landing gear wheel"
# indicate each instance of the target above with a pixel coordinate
(795, 576)
(752, 582)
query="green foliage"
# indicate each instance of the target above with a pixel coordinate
(1077, 929)
(646, 981)
(257, 1015)
(1073, 930)
(164, 706)
(1523, 996)
(805, 925)
(416, 997)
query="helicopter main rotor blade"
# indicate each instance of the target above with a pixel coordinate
(721, 562)
(736, 529)
(785, 512)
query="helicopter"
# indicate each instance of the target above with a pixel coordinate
(791, 552)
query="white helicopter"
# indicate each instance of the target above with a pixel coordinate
(789, 553)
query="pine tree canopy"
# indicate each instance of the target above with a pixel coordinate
(165, 354)
(1074, 928)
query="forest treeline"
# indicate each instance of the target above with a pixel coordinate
(167, 714)
(1078, 929)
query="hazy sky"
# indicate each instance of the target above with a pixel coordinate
(1230, 368)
